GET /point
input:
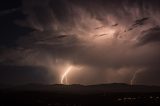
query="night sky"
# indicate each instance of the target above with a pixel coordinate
(80, 41)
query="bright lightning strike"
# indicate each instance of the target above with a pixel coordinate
(64, 76)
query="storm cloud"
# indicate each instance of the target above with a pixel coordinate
(109, 39)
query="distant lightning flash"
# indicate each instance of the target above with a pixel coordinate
(64, 76)
(134, 76)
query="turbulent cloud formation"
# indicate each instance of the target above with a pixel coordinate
(109, 39)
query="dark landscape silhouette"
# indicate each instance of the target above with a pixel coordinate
(79, 95)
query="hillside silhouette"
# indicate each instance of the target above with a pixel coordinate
(79, 95)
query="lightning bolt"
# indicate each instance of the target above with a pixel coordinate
(64, 79)
(134, 76)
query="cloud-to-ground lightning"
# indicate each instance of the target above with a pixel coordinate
(64, 76)
(134, 76)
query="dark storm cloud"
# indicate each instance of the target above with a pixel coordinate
(5, 12)
(110, 39)
(23, 75)
(10, 30)
(150, 36)
(151, 74)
